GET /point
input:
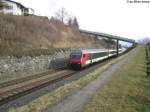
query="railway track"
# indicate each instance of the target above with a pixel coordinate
(23, 79)
(14, 89)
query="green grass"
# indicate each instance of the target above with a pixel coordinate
(55, 96)
(128, 90)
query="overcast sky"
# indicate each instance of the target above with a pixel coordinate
(116, 17)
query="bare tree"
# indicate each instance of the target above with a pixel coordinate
(70, 21)
(61, 15)
(73, 22)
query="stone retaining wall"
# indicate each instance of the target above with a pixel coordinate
(12, 66)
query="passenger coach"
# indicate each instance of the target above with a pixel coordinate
(82, 58)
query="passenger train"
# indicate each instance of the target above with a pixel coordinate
(82, 58)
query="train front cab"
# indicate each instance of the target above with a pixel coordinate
(79, 60)
(75, 59)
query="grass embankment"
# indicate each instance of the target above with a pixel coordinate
(128, 90)
(54, 97)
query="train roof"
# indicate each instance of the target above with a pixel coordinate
(91, 50)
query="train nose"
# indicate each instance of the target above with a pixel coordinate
(75, 61)
(75, 64)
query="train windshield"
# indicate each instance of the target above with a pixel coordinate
(76, 55)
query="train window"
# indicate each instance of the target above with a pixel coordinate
(101, 54)
(76, 55)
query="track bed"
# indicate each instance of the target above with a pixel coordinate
(11, 90)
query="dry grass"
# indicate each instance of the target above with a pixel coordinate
(32, 32)
(128, 91)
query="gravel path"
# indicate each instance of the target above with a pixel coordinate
(76, 101)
